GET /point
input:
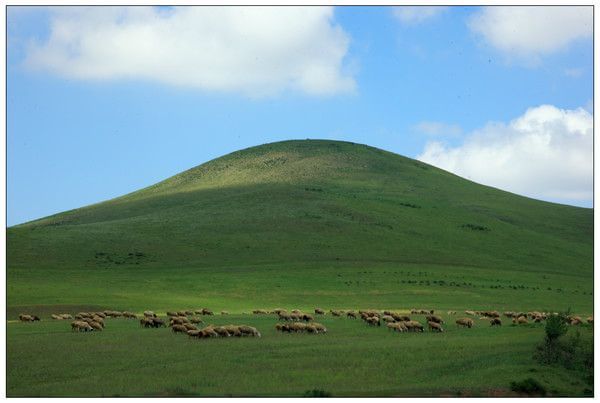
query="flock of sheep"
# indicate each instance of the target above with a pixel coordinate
(295, 321)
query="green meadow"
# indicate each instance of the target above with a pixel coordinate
(297, 224)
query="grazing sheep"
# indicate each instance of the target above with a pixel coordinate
(471, 313)
(373, 321)
(206, 311)
(224, 313)
(55, 316)
(179, 329)
(351, 314)
(320, 328)
(131, 315)
(451, 312)
(576, 321)
(297, 327)
(195, 320)
(521, 320)
(180, 313)
(414, 326)
(335, 313)
(146, 322)
(509, 314)
(189, 326)
(157, 322)
(465, 322)
(251, 331)
(434, 318)
(259, 312)
(26, 318)
(209, 331)
(222, 331)
(590, 319)
(284, 316)
(189, 312)
(435, 326)
(171, 313)
(81, 326)
(194, 333)
(319, 311)
(388, 319)
(307, 317)
(98, 320)
(66, 316)
(96, 326)
(495, 322)
(397, 327)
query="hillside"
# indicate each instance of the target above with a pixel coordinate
(294, 210)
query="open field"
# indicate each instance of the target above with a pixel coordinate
(297, 224)
(352, 359)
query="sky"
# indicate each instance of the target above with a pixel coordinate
(103, 101)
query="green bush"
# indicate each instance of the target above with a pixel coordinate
(317, 393)
(528, 386)
(556, 326)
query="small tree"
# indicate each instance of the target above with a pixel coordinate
(556, 326)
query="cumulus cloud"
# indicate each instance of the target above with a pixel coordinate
(257, 51)
(529, 32)
(438, 129)
(413, 15)
(547, 153)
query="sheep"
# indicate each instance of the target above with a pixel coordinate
(434, 318)
(319, 311)
(222, 331)
(335, 313)
(521, 320)
(435, 326)
(351, 314)
(413, 325)
(131, 315)
(465, 322)
(25, 318)
(576, 321)
(206, 311)
(209, 331)
(171, 313)
(189, 326)
(251, 331)
(194, 333)
(55, 316)
(373, 321)
(98, 320)
(471, 313)
(320, 328)
(590, 319)
(35, 318)
(180, 313)
(157, 322)
(79, 326)
(66, 316)
(508, 314)
(451, 312)
(189, 312)
(146, 322)
(179, 329)
(196, 320)
(96, 326)
(284, 316)
(388, 319)
(397, 326)
(399, 318)
(307, 317)
(224, 313)
(259, 312)
(495, 322)
(297, 327)
(298, 311)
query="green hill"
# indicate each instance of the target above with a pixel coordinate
(307, 222)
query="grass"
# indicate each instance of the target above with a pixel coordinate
(350, 360)
(295, 224)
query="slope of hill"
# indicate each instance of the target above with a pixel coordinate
(308, 217)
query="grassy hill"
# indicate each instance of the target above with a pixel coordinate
(301, 209)
(297, 224)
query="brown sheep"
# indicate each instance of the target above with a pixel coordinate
(56, 317)
(196, 320)
(81, 326)
(307, 317)
(284, 316)
(66, 316)
(576, 321)
(335, 313)
(320, 328)
(209, 331)
(179, 329)
(189, 326)
(522, 320)
(495, 322)
(96, 326)
(471, 313)
(250, 331)
(590, 319)
(189, 312)
(434, 318)
(194, 333)
(180, 313)
(206, 311)
(451, 312)
(259, 312)
(319, 311)
(98, 320)
(351, 314)
(25, 318)
(224, 313)
(222, 331)
(414, 326)
(171, 313)
(146, 322)
(465, 322)
(388, 319)
(435, 326)
(373, 321)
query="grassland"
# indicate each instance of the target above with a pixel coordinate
(350, 360)
(295, 224)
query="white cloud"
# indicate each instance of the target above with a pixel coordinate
(529, 32)
(257, 51)
(413, 15)
(438, 129)
(547, 153)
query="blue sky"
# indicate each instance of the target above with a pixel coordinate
(90, 122)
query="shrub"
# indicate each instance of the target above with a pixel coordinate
(528, 386)
(317, 393)
(556, 326)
